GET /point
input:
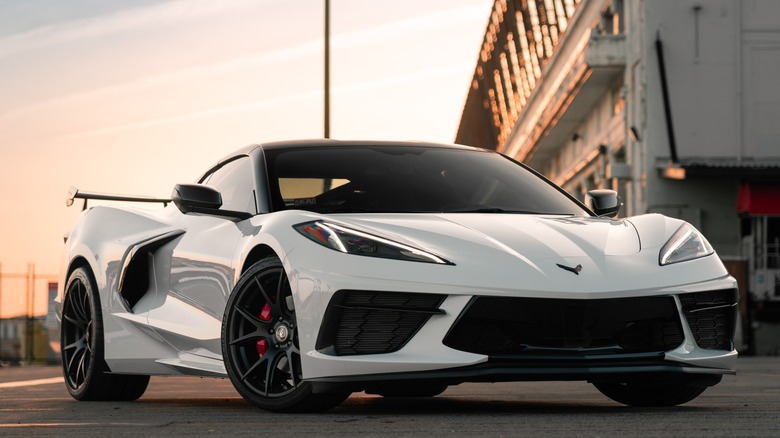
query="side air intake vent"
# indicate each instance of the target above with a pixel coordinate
(134, 278)
(367, 322)
(711, 316)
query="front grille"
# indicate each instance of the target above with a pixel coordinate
(499, 326)
(711, 317)
(367, 322)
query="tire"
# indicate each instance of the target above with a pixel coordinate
(657, 392)
(81, 335)
(260, 344)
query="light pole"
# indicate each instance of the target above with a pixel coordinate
(327, 69)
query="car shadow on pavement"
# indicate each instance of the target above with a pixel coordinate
(465, 406)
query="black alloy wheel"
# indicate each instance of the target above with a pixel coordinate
(81, 336)
(77, 334)
(260, 343)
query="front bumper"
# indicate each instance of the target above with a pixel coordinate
(317, 276)
(692, 333)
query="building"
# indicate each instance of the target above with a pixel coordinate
(674, 103)
(11, 333)
(25, 341)
(31, 340)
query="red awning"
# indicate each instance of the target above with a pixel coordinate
(759, 199)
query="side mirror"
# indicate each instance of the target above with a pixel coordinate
(604, 202)
(196, 197)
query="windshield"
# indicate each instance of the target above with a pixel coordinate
(408, 179)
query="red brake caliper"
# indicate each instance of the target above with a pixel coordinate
(262, 347)
(265, 316)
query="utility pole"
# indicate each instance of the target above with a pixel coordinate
(327, 69)
(30, 312)
(1, 315)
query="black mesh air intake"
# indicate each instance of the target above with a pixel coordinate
(711, 317)
(500, 326)
(366, 322)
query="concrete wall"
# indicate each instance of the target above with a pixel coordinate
(722, 62)
(701, 67)
(760, 59)
(722, 66)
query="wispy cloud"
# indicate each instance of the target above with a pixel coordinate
(194, 115)
(273, 102)
(191, 73)
(159, 15)
(177, 11)
(395, 29)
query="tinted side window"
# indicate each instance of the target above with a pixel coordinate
(235, 182)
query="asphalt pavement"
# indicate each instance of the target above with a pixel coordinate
(33, 401)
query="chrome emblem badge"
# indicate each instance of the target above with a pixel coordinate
(281, 334)
(576, 270)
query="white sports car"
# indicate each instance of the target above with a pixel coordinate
(308, 270)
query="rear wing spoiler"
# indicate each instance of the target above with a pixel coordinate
(74, 193)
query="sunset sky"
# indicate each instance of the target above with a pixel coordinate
(134, 96)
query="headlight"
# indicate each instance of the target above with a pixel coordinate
(685, 244)
(349, 241)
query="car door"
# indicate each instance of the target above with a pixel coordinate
(189, 311)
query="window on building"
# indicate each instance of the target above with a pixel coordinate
(618, 102)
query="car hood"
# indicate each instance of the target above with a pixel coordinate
(527, 237)
(541, 254)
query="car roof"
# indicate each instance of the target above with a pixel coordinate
(297, 144)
